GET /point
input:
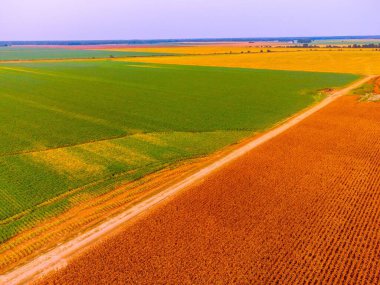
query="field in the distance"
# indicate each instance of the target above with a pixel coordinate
(202, 49)
(72, 131)
(346, 42)
(37, 53)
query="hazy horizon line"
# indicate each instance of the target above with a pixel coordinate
(204, 38)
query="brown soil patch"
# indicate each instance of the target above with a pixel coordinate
(302, 208)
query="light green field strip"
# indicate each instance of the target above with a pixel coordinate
(71, 131)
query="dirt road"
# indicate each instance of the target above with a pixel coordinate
(56, 258)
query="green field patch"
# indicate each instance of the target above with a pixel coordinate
(71, 131)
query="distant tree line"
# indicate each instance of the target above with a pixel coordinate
(304, 46)
(304, 41)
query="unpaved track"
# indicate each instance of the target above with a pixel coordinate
(56, 258)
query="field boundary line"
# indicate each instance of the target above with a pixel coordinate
(57, 257)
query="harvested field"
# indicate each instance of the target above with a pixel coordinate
(345, 61)
(305, 213)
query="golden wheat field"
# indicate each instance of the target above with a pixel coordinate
(203, 49)
(216, 48)
(341, 61)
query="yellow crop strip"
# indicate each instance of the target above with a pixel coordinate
(345, 61)
(219, 49)
(65, 162)
(207, 49)
(23, 70)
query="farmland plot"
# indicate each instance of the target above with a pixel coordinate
(72, 131)
(323, 60)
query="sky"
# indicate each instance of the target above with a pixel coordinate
(164, 19)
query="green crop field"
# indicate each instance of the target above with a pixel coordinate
(23, 53)
(73, 130)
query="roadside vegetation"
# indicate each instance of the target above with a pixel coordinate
(369, 92)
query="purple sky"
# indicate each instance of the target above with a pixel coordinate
(149, 19)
